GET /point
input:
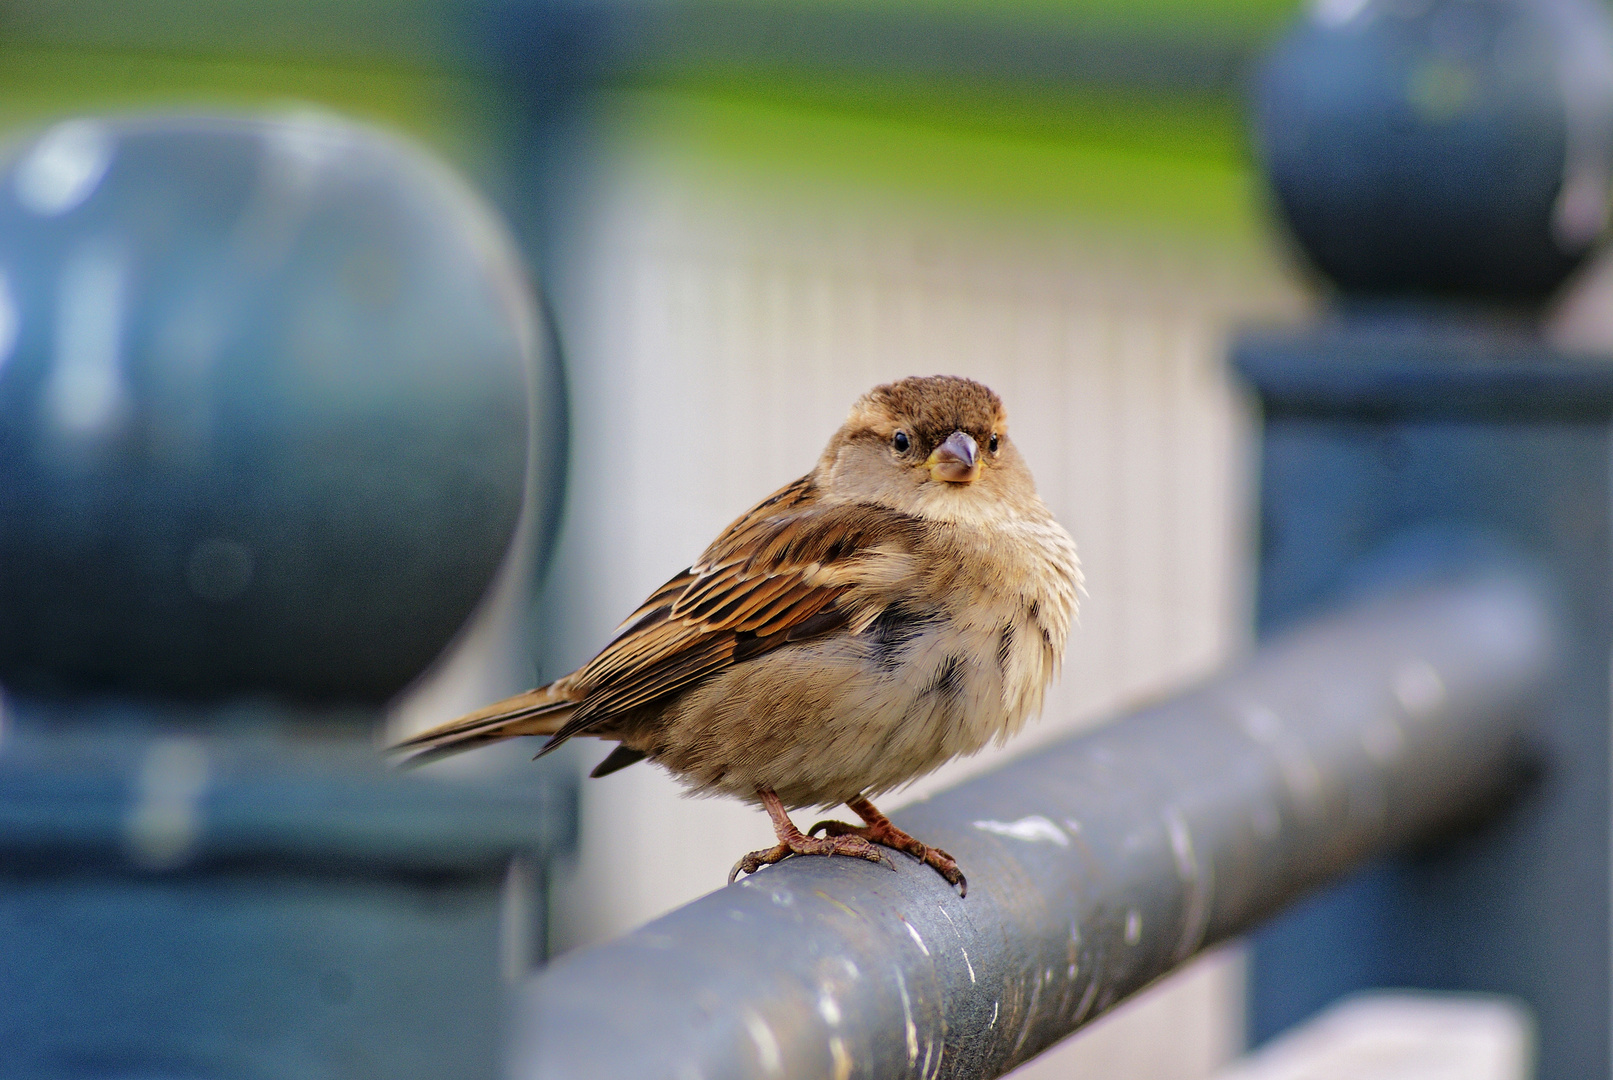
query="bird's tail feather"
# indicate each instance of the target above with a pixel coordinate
(537, 712)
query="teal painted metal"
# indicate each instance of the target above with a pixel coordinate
(1095, 865)
(1446, 165)
(274, 395)
(1383, 448)
(1452, 148)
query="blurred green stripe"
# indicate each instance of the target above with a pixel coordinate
(1208, 125)
(1158, 165)
(40, 84)
(1244, 17)
(1134, 155)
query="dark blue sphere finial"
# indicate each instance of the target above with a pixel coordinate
(271, 389)
(1449, 148)
(264, 408)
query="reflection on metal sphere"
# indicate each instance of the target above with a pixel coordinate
(265, 388)
(1442, 147)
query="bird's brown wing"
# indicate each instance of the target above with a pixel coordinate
(790, 569)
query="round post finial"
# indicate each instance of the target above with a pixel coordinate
(265, 387)
(1449, 148)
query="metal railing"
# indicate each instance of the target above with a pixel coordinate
(1096, 866)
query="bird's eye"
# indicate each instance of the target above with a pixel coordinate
(992, 445)
(899, 440)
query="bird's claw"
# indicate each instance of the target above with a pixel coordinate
(892, 837)
(949, 871)
(755, 860)
(801, 844)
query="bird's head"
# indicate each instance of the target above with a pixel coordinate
(936, 447)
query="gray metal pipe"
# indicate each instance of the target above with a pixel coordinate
(1096, 866)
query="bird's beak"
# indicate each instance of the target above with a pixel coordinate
(957, 461)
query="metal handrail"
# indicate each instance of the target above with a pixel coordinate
(1096, 865)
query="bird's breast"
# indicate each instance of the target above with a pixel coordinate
(959, 658)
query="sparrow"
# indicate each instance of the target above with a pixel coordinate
(904, 603)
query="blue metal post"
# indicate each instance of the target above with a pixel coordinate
(268, 391)
(1430, 158)
(1383, 452)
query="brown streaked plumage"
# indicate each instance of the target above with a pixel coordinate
(904, 603)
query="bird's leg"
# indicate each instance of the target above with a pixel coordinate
(792, 841)
(879, 830)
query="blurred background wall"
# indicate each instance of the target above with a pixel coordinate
(772, 208)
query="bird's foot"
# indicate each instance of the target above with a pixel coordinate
(879, 830)
(793, 841)
(801, 844)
